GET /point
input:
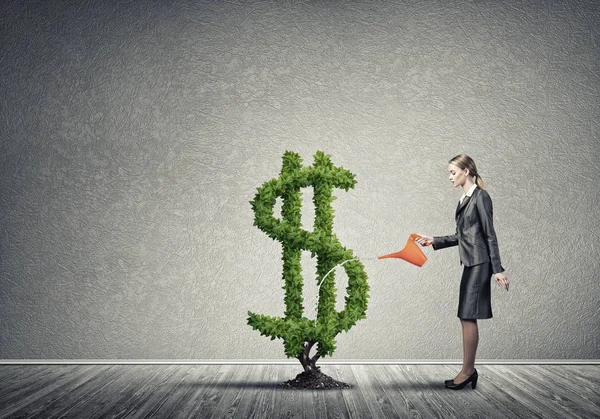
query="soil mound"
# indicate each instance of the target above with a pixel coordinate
(314, 380)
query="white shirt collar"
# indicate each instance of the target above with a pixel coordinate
(469, 192)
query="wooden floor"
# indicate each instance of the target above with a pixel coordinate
(250, 391)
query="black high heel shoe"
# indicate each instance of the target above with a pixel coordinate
(472, 379)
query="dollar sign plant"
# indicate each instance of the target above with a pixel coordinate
(298, 332)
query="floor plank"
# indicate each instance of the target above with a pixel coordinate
(18, 388)
(180, 391)
(398, 391)
(207, 390)
(334, 398)
(583, 371)
(576, 376)
(40, 391)
(428, 392)
(100, 396)
(261, 405)
(356, 404)
(133, 383)
(288, 403)
(377, 400)
(69, 394)
(570, 397)
(150, 392)
(160, 402)
(232, 392)
(402, 384)
(250, 390)
(12, 373)
(517, 377)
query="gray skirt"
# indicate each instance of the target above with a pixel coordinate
(475, 300)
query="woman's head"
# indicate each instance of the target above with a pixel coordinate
(461, 168)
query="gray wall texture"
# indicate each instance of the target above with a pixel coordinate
(134, 135)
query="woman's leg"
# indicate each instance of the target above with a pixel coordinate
(470, 333)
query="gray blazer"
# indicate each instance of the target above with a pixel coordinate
(475, 234)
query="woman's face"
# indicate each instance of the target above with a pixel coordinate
(456, 175)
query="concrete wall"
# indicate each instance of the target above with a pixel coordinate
(134, 135)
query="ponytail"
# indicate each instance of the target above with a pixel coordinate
(479, 181)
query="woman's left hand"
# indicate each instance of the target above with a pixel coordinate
(501, 280)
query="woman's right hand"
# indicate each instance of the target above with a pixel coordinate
(424, 240)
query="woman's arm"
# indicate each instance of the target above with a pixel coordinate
(441, 242)
(485, 211)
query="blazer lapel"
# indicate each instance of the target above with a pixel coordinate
(465, 201)
(460, 206)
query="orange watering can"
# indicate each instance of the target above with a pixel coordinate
(411, 252)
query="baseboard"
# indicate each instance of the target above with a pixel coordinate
(294, 362)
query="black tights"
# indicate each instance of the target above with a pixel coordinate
(470, 334)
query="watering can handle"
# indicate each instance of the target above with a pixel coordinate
(415, 236)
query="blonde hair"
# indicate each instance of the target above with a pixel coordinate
(463, 162)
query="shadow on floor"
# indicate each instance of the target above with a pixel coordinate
(247, 385)
(277, 385)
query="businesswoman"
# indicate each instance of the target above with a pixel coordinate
(478, 250)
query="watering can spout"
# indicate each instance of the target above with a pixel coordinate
(411, 252)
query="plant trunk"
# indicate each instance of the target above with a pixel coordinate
(308, 363)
